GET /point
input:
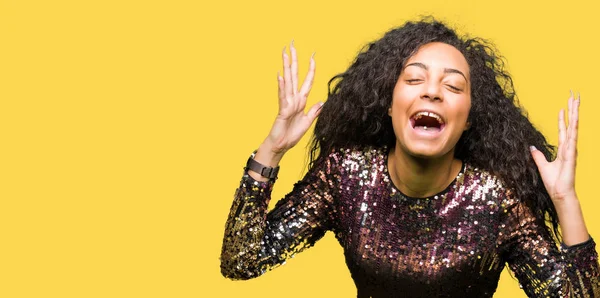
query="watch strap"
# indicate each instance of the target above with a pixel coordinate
(267, 172)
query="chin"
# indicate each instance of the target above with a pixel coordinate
(426, 155)
(424, 151)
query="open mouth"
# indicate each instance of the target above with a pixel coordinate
(427, 121)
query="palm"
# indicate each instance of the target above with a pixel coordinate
(559, 175)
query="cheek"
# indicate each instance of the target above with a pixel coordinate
(463, 106)
(400, 99)
(463, 115)
(398, 110)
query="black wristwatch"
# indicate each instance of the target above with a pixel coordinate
(267, 172)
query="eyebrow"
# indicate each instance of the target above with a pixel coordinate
(446, 70)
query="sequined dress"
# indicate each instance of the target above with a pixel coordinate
(453, 244)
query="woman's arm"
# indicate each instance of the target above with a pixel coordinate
(256, 241)
(543, 269)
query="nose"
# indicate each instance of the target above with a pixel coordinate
(432, 91)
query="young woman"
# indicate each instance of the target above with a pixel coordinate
(427, 171)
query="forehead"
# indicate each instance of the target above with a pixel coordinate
(440, 55)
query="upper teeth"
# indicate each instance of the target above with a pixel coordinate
(437, 117)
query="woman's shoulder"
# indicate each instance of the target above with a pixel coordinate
(356, 158)
(486, 181)
(482, 175)
(362, 154)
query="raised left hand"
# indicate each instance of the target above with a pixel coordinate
(559, 175)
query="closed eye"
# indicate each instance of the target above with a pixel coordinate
(453, 88)
(414, 80)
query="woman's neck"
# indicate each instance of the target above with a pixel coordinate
(420, 177)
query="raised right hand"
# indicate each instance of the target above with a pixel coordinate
(291, 122)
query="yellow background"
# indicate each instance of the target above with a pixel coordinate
(124, 127)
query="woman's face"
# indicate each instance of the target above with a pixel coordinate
(431, 101)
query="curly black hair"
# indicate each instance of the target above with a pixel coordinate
(500, 135)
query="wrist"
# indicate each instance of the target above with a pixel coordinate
(264, 171)
(267, 156)
(572, 224)
(567, 202)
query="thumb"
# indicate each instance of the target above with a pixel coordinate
(538, 157)
(314, 111)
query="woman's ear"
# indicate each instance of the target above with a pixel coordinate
(468, 126)
(390, 111)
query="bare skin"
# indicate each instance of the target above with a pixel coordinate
(291, 122)
(435, 79)
(422, 163)
(559, 176)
